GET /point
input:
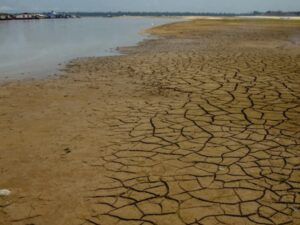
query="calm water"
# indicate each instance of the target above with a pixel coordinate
(33, 49)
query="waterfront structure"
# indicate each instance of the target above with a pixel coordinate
(52, 15)
(29, 16)
(6, 16)
(25, 16)
(41, 16)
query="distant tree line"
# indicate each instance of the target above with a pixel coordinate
(117, 14)
(276, 13)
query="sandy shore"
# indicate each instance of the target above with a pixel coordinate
(201, 126)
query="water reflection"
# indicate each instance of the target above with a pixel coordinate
(35, 48)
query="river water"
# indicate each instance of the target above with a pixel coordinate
(38, 48)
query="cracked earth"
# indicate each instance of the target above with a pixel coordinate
(201, 126)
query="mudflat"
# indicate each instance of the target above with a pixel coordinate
(200, 126)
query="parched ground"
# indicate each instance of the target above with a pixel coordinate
(201, 126)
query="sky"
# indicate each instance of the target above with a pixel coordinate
(235, 6)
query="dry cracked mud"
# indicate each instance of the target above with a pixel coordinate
(201, 126)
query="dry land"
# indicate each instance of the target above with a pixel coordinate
(201, 126)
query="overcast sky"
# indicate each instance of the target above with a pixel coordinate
(150, 5)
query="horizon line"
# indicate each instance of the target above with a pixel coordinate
(161, 12)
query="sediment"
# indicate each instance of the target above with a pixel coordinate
(200, 126)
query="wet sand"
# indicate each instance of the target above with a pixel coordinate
(201, 126)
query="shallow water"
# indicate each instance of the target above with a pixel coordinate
(37, 48)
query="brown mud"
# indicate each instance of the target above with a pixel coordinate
(201, 126)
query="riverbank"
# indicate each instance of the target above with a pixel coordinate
(200, 126)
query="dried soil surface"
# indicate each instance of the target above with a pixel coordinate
(201, 126)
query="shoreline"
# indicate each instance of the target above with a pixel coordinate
(151, 31)
(203, 119)
(213, 17)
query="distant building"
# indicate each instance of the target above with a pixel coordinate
(40, 16)
(5, 16)
(52, 15)
(24, 16)
(29, 16)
